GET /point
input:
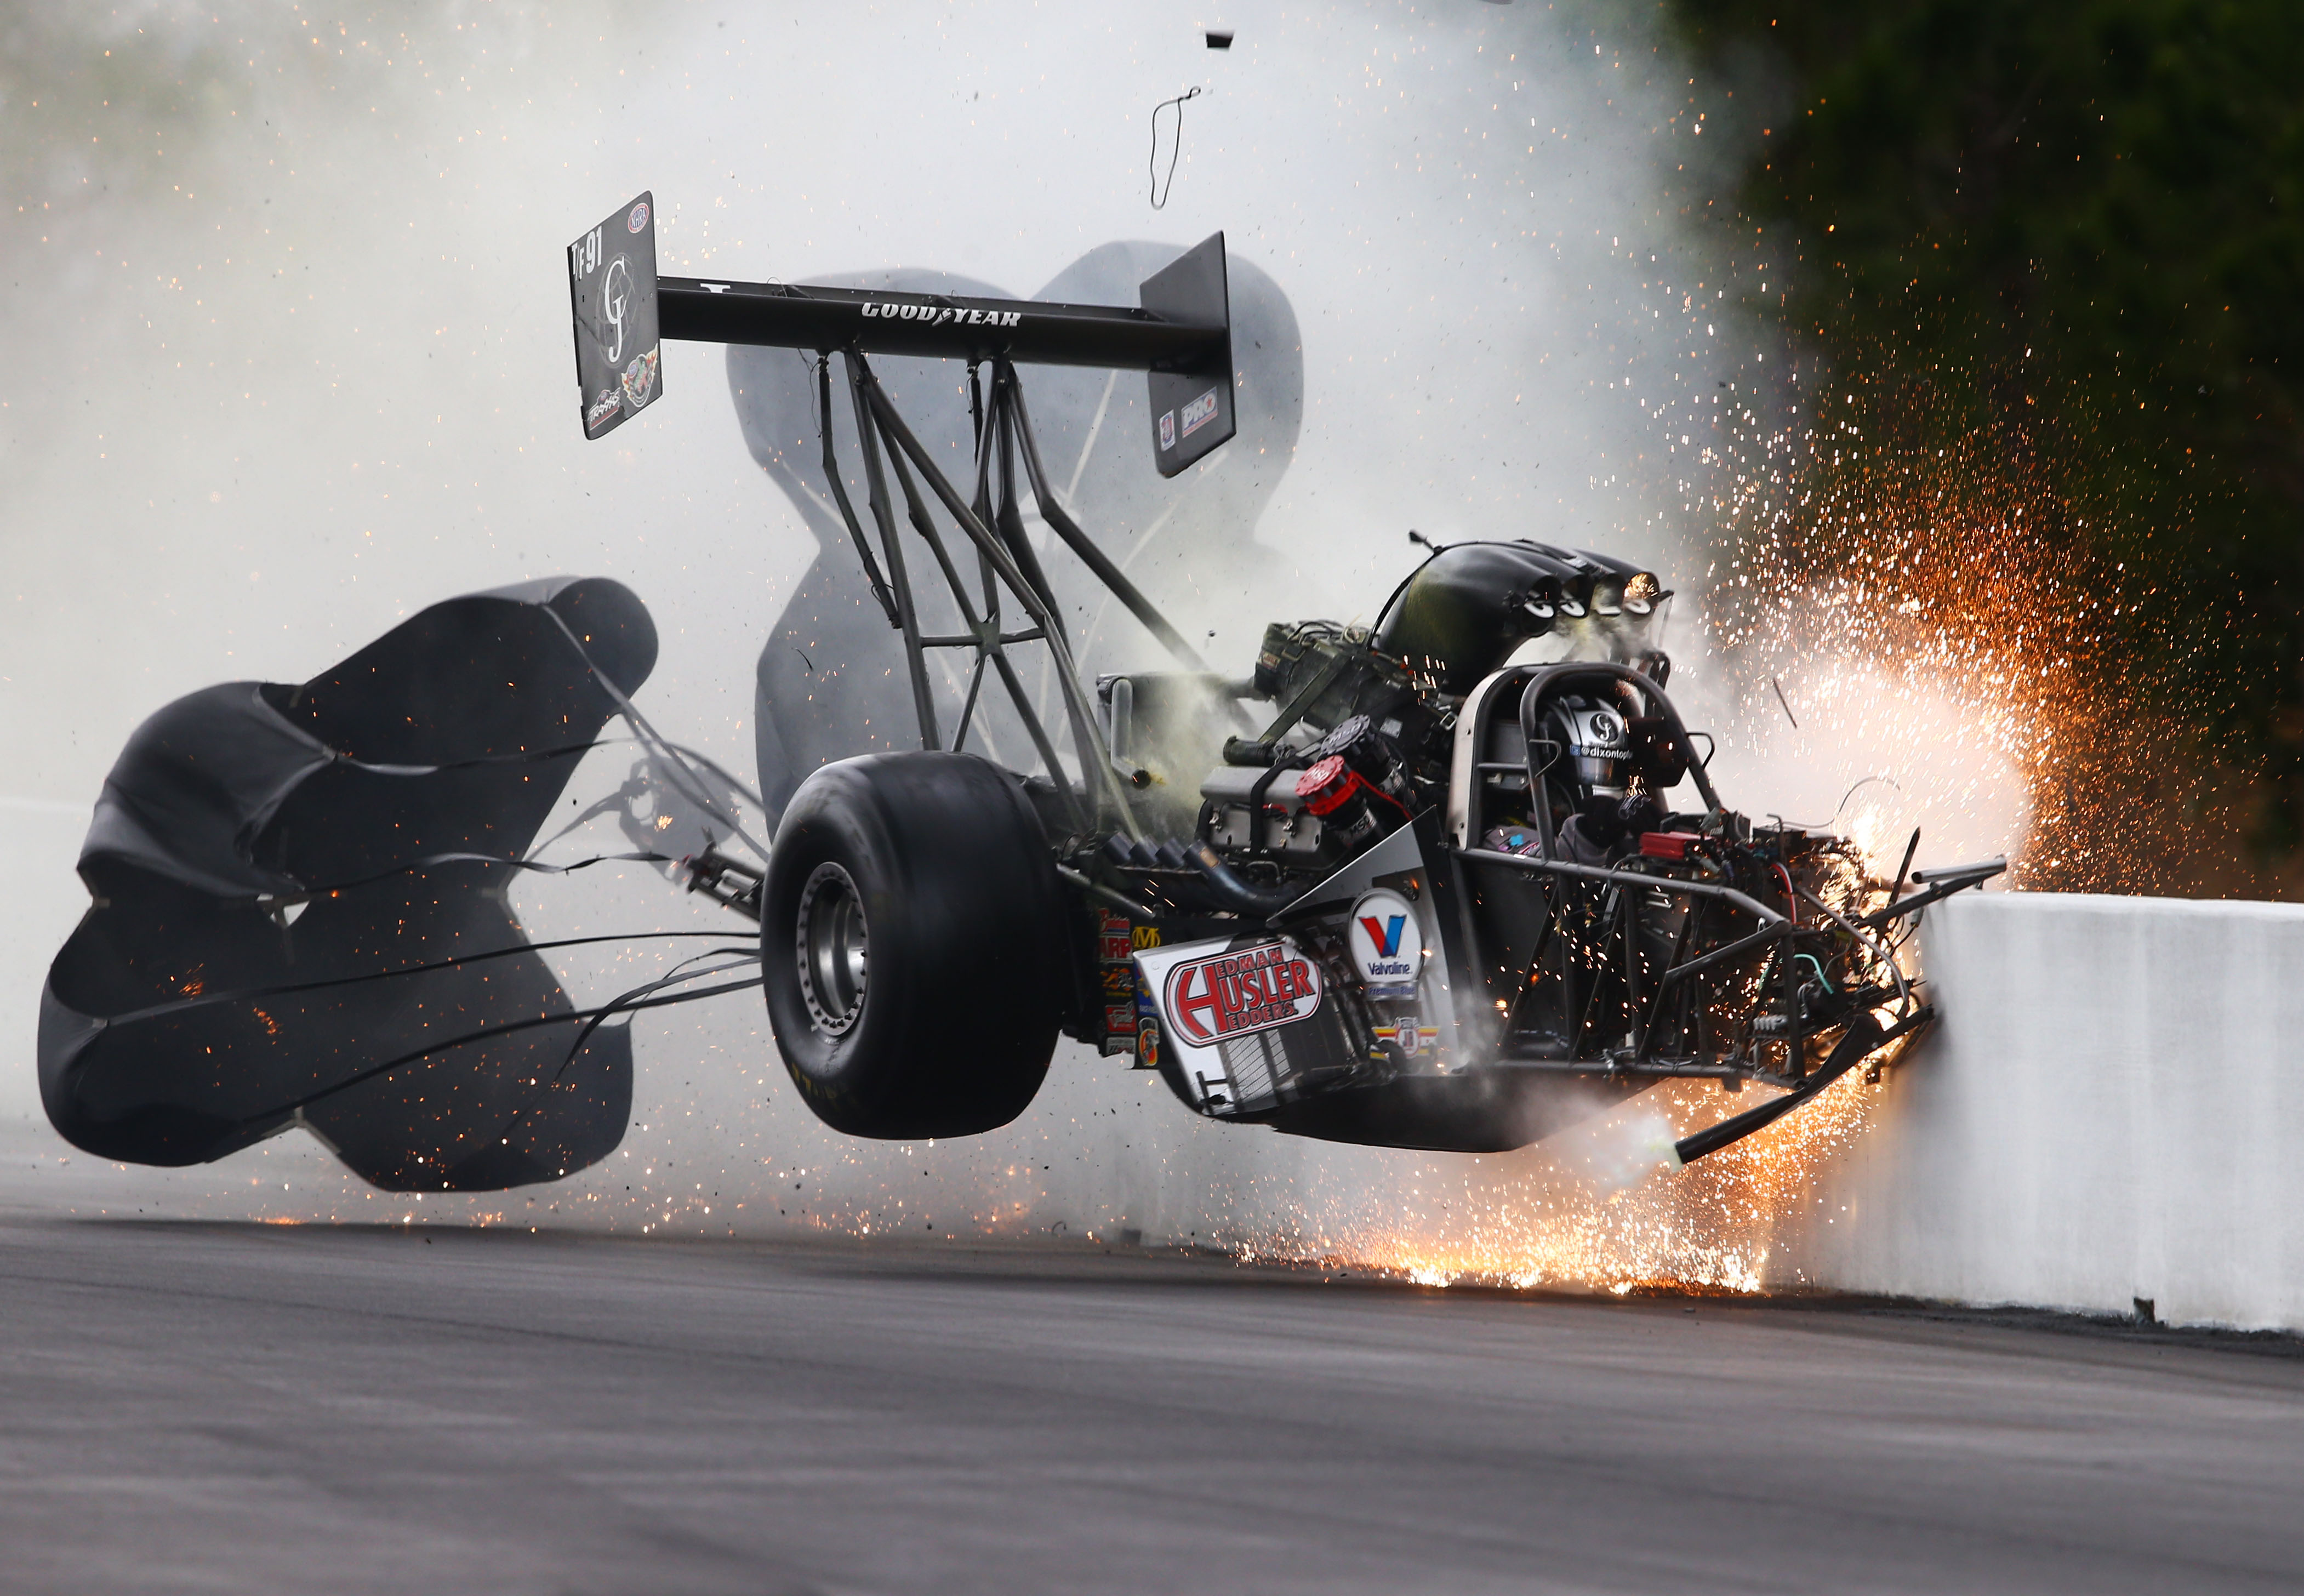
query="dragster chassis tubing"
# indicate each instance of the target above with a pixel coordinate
(1001, 332)
(1863, 1036)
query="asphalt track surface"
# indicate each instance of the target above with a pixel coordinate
(201, 1407)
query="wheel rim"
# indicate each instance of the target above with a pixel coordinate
(829, 943)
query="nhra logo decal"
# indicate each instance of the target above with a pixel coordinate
(1387, 947)
(939, 315)
(1167, 428)
(1412, 1039)
(1210, 1000)
(1198, 413)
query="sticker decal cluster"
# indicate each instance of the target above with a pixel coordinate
(1115, 956)
(1115, 943)
(612, 294)
(1144, 937)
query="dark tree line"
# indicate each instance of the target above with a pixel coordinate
(2073, 228)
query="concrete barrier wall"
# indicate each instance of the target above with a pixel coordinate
(2112, 1109)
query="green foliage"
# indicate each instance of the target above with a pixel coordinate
(2079, 224)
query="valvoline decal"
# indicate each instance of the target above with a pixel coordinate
(1386, 943)
(1207, 1000)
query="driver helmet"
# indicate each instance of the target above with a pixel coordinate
(1599, 746)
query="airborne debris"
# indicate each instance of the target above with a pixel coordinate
(1163, 185)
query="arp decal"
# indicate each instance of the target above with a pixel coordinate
(1198, 413)
(1209, 1000)
(1113, 938)
(1387, 946)
(638, 219)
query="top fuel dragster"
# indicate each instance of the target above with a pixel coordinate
(1450, 880)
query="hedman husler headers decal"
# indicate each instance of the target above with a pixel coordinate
(1207, 1000)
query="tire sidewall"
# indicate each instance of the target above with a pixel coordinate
(963, 926)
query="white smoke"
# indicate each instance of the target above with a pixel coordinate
(292, 360)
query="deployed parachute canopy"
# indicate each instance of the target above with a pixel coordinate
(300, 895)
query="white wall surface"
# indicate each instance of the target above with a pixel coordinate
(2111, 1109)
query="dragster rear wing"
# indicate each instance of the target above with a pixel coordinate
(1180, 335)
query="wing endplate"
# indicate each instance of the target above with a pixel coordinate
(612, 293)
(1191, 398)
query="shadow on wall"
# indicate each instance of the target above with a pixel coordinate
(831, 681)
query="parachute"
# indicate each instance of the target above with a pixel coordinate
(300, 908)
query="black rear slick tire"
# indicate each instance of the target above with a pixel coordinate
(912, 939)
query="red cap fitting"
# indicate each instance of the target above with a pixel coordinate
(1327, 785)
